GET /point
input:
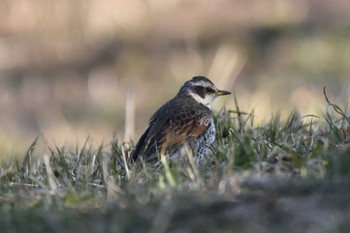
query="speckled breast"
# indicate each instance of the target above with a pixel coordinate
(203, 143)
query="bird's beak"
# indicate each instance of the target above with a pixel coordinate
(221, 92)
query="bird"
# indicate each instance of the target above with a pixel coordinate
(186, 119)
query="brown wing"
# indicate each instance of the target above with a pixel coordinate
(177, 134)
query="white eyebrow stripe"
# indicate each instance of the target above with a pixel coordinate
(202, 84)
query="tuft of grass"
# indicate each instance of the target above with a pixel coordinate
(270, 177)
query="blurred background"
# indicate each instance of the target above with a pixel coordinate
(70, 69)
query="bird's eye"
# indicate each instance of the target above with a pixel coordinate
(210, 90)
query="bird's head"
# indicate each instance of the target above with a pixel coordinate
(202, 90)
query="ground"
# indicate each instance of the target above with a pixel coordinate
(284, 176)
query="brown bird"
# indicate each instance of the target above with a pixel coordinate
(185, 119)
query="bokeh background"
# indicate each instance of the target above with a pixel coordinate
(70, 69)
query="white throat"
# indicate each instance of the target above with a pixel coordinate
(206, 101)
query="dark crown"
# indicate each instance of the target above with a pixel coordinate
(197, 81)
(199, 85)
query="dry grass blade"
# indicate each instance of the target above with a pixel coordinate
(27, 161)
(336, 108)
(169, 176)
(50, 176)
(127, 170)
(193, 165)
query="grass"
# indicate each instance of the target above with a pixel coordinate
(287, 175)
